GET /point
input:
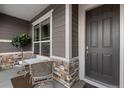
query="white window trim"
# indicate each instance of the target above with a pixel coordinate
(42, 18)
(9, 53)
(65, 59)
(5, 41)
(45, 41)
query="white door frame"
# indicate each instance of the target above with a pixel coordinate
(82, 11)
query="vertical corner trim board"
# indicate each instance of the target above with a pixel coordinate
(68, 30)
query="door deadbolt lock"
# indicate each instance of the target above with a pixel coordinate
(87, 52)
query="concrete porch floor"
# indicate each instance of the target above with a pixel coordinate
(6, 75)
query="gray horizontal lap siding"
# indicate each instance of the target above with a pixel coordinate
(58, 25)
(10, 27)
(59, 31)
(7, 47)
(74, 30)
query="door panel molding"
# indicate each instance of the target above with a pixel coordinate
(107, 61)
(94, 41)
(107, 23)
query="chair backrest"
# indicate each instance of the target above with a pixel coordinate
(22, 81)
(41, 69)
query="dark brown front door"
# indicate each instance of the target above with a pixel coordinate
(102, 43)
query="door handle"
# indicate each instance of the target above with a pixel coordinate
(87, 49)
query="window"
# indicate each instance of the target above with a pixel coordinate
(45, 49)
(36, 48)
(41, 41)
(42, 35)
(45, 30)
(36, 33)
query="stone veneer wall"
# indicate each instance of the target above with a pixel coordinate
(66, 72)
(7, 61)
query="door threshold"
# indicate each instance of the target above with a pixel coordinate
(98, 83)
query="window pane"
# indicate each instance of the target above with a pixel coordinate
(45, 30)
(36, 33)
(36, 48)
(45, 49)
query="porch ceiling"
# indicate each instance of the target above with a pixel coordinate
(22, 11)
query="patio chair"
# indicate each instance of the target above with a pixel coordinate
(41, 72)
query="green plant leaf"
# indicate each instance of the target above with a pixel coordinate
(21, 40)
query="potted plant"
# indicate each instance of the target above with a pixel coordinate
(20, 41)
